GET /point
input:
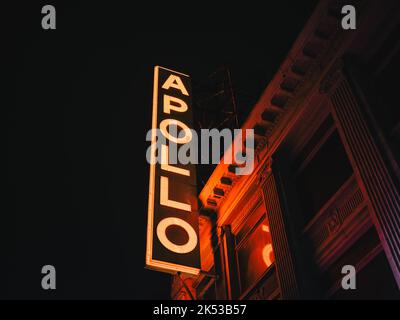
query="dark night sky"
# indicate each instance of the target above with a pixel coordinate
(77, 173)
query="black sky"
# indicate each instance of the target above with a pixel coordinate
(77, 173)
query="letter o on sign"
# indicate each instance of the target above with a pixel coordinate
(161, 234)
(172, 122)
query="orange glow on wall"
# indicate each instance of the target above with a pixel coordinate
(267, 252)
(255, 255)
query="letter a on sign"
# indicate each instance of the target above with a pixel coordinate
(173, 222)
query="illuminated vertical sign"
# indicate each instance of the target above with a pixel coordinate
(172, 227)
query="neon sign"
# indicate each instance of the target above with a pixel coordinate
(172, 226)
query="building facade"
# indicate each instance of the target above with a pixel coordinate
(325, 191)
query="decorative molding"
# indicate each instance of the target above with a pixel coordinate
(284, 262)
(371, 171)
(334, 223)
(265, 171)
(331, 77)
(250, 205)
(339, 224)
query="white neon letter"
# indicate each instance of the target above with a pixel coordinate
(161, 234)
(165, 164)
(176, 123)
(164, 187)
(175, 82)
(178, 104)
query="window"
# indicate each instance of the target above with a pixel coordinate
(323, 170)
(376, 81)
(254, 254)
(382, 91)
(369, 259)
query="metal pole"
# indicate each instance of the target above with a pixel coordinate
(233, 97)
(186, 287)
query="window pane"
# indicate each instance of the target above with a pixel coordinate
(323, 176)
(255, 256)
